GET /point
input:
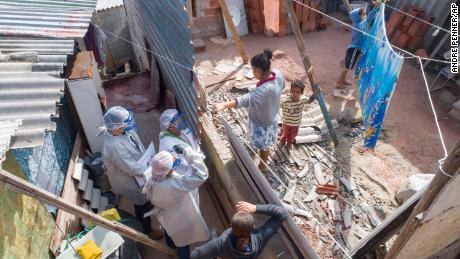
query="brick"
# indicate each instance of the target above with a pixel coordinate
(425, 27)
(298, 12)
(414, 27)
(402, 40)
(395, 20)
(395, 37)
(212, 11)
(405, 24)
(306, 11)
(198, 45)
(414, 42)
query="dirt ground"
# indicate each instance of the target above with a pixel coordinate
(411, 144)
(409, 141)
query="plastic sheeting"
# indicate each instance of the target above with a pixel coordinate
(376, 76)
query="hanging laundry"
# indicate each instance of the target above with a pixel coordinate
(95, 41)
(376, 76)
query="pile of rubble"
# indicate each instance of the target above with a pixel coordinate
(308, 178)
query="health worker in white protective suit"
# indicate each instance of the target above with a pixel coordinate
(174, 131)
(175, 207)
(121, 148)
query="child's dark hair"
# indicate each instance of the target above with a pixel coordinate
(298, 84)
(262, 60)
(362, 11)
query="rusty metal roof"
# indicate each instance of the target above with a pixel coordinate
(45, 18)
(164, 25)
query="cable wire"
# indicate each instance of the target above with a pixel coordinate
(372, 36)
(415, 17)
(441, 137)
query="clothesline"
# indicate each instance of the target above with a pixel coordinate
(366, 33)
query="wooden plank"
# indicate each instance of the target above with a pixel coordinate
(65, 221)
(451, 166)
(309, 69)
(24, 187)
(235, 36)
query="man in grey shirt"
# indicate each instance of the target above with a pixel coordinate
(243, 240)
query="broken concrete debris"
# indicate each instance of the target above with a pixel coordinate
(347, 216)
(313, 185)
(414, 183)
(290, 191)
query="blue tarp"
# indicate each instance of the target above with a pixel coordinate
(376, 76)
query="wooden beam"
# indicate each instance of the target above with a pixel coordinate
(450, 166)
(65, 221)
(24, 187)
(235, 36)
(309, 68)
(387, 228)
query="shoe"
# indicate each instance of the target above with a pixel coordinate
(155, 234)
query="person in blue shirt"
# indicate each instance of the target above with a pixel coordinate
(361, 22)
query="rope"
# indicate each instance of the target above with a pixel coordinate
(408, 14)
(295, 198)
(441, 137)
(383, 41)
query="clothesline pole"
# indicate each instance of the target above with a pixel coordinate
(24, 187)
(309, 68)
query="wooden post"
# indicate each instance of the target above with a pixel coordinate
(235, 36)
(450, 166)
(309, 68)
(29, 189)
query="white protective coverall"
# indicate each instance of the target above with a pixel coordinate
(176, 208)
(120, 155)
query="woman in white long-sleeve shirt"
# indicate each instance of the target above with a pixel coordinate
(176, 207)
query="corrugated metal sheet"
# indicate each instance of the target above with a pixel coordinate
(31, 90)
(164, 25)
(6, 133)
(107, 4)
(45, 18)
(439, 9)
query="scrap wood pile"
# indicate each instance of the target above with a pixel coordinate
(272, 19)
(318, 193)
(407, 32)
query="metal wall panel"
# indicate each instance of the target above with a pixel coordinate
(45, 18)
(164, 25)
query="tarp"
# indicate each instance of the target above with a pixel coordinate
(376, 76)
